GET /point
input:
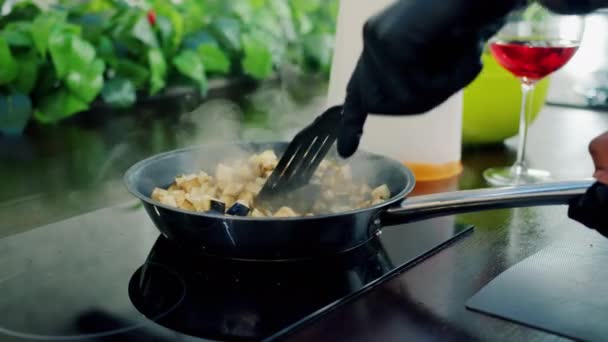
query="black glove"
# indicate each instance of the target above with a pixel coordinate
(416, 54)
(574, 6)
(591, 209)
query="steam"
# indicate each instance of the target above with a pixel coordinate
(224, 121)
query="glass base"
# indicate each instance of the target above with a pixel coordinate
(515, 175)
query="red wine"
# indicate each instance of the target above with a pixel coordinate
(532, 60)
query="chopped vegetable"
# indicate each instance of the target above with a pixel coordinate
(381, 192)
(235, 184)
(217, 206)
(285, 212)
(238, 209)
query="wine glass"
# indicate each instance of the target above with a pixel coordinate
(532, 44)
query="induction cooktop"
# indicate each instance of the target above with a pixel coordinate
(109, 275)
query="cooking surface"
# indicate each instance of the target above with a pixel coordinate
(561, 289)
(93, 276)
(426, 301)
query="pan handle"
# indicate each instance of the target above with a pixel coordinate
(448, 203)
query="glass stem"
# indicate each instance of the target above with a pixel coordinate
(524, 120)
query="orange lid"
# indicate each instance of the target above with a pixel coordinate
(432, 172)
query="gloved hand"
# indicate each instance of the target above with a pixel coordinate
(591, 209)
(416, 54)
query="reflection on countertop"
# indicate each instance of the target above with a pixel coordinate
(56, 172)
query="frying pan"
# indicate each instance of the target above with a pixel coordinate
(270, 238)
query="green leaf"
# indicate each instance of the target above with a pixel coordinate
(119, 93)
(319, 47)
(93, 25)
(257, 4)
(28, 72)
(105, 51)
(269, 23)
(18, 34)
(87, 82)
(304, 6)
(158, 68)
(214, 59)
(228, 31)
(138, 74)
(8, 66)
(243, 10)
(189, 64)
(57, 106)
(15, 112)
(164, 9)
(60, 44)
(257, 61)
(43, 26)
(144, 32)
(305, 24)
(285, 19)
(82, 54)
(192, 41)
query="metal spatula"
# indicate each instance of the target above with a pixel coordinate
(303, 155)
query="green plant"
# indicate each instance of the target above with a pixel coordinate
(57, 60)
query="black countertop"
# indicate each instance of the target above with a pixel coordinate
(73, 169)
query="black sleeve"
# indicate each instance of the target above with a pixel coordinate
(574, 6)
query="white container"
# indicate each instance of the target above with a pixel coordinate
(430, 143)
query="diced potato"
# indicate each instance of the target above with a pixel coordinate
(268, 160)
(187, 206)
(212, 191)
(169, 200)
(204, 178)
(381, 192)
(328, 195)
(224, 173)
(285, 212)
(158, 193)
(257, 213)
(260, 181)
(233, 189)
(238, 181)
(200, 202)
(346, 172)
(245, 198)
(188, 182)
(244, 173)
(199, 191)
(179, 195)
(377, 201)
(253, 188)
(329, 181)
(355, 199)
(365, 190)
(228, 200)
(323, 165)
(318, 207)
(339, 209)
(255, 162)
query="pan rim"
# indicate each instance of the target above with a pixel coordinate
(132, 170)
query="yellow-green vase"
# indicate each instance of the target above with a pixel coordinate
(492, 104)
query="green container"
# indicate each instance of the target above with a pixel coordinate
(492, 104)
